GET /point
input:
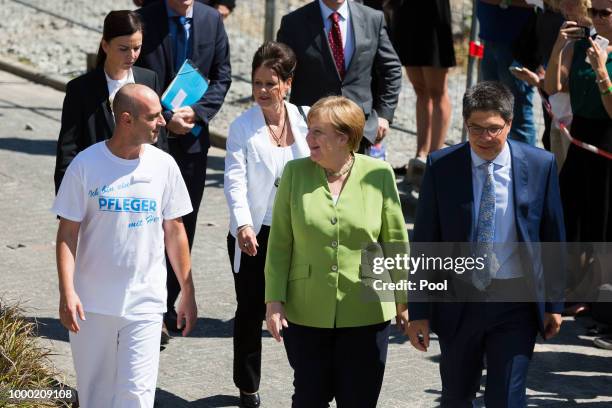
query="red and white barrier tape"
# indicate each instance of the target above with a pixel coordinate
(568, 135)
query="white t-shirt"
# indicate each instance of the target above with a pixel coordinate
(120, 263)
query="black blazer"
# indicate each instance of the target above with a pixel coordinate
(87, 118)
(210, 55)
(316, 75)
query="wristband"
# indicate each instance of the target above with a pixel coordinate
(607, 91)
(601, 81)
(240, 228)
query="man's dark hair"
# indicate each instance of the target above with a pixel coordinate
(489, 96)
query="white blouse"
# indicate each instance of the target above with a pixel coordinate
(280, 157)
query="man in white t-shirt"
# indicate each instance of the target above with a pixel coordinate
(122, 201)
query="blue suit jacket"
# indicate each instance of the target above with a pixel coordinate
(445, 214)
(210, 54)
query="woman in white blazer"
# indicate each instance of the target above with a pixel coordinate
(260, 142)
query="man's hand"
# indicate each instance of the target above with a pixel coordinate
(276, 319)
(69, 308)
(383, 128)
(182, 121)
(418, 333)
(552, 325)
(401, 318)
(187, 310)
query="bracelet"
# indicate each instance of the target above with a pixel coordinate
(601, 81)
(240, 228)
(607, 91)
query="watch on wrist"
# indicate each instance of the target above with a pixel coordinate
(504, 4)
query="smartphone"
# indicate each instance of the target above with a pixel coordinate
(602, 42)
(583, 32)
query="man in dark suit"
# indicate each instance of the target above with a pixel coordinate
(224, 7)
(491, 190)
(342, 48)
(177, 30)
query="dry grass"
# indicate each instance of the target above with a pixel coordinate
(24, 363)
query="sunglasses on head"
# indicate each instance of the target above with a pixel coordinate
(603, 13)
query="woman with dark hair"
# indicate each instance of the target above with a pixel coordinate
(260, 142)
(86, 114)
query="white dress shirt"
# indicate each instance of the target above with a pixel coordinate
(505, 221)
(346, 28)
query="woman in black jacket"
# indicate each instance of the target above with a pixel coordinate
(87, 117)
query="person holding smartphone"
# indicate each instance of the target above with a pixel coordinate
(582, 67)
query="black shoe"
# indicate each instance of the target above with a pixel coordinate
(249, 400)
(601, 342)
(165, 336)
(170, 321)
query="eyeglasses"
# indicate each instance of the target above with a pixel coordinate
(603, 13)
(492, 131)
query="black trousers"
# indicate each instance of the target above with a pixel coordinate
(250, 287)
(193, 170)
(347, 364)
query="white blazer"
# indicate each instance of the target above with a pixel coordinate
(249, 168)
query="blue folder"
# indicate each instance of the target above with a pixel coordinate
(187, 87)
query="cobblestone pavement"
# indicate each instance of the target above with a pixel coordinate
(196, 371)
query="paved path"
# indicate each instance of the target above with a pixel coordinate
(196, 371)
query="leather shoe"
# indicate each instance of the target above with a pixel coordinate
(249, 400)
(165, 336)
(170, 321)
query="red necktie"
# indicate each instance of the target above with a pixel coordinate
(335, 43)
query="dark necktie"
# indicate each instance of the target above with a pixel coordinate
(335, 43)
(180, 54)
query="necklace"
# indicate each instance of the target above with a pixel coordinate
(346, 167)
(277, 139)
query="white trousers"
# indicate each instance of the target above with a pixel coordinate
(116, 360)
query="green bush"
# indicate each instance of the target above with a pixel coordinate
(24, 363)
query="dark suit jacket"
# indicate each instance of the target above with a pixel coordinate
(87, 118)
(316, 75)
(445, 214)
(210, 54)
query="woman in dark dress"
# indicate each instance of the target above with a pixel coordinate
(423, 39)
(583, 67)
(580, 66)
(86, 115)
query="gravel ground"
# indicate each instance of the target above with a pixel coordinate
(57, 46)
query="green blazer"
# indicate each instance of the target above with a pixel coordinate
(314, 249)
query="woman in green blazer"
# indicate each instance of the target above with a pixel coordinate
(327, 207)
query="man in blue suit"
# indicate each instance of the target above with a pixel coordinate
(491, 190)
(176, 30)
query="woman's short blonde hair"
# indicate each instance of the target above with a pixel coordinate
(344, 115)
(582, 5)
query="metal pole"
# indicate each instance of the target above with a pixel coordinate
(472, 71)
(270, 23)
